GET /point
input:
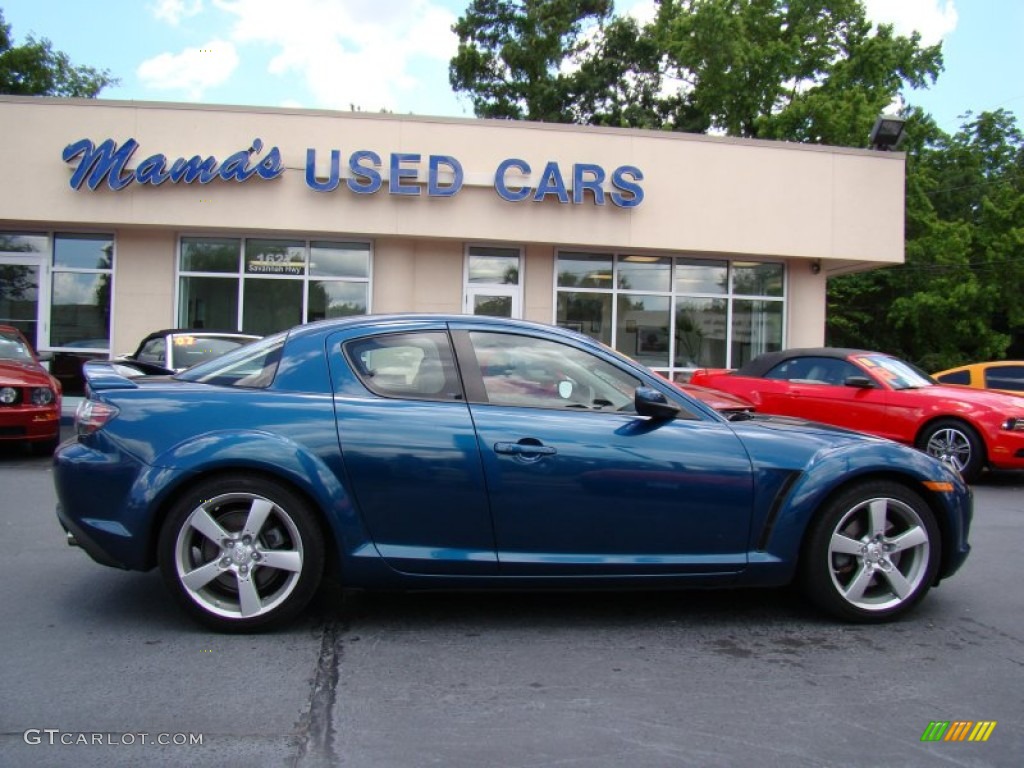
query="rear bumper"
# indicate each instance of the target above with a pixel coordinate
(80, 537)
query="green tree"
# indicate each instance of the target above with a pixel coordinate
(800, 70)
(35, 69)
(957, 297)
(513, 55)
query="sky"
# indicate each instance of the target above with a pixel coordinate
(394, 54)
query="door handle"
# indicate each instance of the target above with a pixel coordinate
(525, 449)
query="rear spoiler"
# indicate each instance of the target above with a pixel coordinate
(109, 374)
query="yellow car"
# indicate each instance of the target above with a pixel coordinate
(1003, 375)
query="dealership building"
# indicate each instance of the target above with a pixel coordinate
(119, 218)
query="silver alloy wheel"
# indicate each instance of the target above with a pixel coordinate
(878, 554)
(950, 445)
(238, 555)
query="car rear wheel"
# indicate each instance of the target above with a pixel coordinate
(955, 443)
(872, 554)
(241, 553)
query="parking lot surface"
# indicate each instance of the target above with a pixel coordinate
(99, 668)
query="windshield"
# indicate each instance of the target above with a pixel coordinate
(253, 365)
(13, 348)
(897, 373)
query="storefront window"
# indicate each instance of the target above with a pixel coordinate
(208, 302)
(209, 254)
(584, 270)
(642, 328)
(756, 329)
(493, 266)
(589, 313)
(334, 298)
(80, 291)
(271, 305)
(262, 285)
(701, 332)
(673, 314)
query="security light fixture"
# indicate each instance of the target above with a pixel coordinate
(887, 133)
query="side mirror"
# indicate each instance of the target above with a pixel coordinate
(860, 382)
(652, 403)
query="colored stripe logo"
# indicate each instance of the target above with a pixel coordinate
(958, 730)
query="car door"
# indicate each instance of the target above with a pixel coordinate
(410, 452)
(580, 484)
(817, 389)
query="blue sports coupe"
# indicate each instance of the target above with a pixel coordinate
(460, 452)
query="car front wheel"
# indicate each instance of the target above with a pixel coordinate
(872, 554)
(241, 553)
(956, 444)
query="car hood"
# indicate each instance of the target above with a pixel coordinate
(791, 443)
(23, 374)
(998, 401)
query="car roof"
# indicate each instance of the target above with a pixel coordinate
(761, 364)
(355, 321)
(197, 332)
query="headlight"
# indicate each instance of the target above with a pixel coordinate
(8, 395)
(42, 396)
(1015, 424)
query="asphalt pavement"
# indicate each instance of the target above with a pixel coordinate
(99, 667)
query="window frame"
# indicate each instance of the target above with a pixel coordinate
(240, 275)
(730, 296)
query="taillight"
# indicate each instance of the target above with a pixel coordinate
(92, 415)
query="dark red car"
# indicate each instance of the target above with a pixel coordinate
(882, 395)
(29, 395)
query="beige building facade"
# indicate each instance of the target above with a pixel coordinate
(119, 218)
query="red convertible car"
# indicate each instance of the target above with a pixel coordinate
(29, 396)
(882, 395)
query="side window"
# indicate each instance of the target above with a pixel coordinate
(417, 366)
(153, 351)
(814, 370)
(1005, 377)
(537, 373)
(960, 377)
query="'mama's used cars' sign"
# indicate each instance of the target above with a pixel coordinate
(365, 173)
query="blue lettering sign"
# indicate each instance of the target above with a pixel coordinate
(434, 186)
(365, 179)
(581, 183)
(551, 183)
(332, 180)
(395, 185)
(512, 194)
(634, 192)
(107, 163)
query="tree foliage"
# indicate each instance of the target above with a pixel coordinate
(801, 70)
(813, 71)
(36, 69)
(957, 297)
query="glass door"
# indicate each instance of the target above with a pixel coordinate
(20, 284)
(492, 284)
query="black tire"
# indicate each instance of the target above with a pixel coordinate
(955, 443)
(872, 553)
(241, 553)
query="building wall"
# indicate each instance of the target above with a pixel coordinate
(818, 210)
(702, 194)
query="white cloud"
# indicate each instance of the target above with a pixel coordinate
(347, 52)
(933, 19)
(173, 11)
(193, 70)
